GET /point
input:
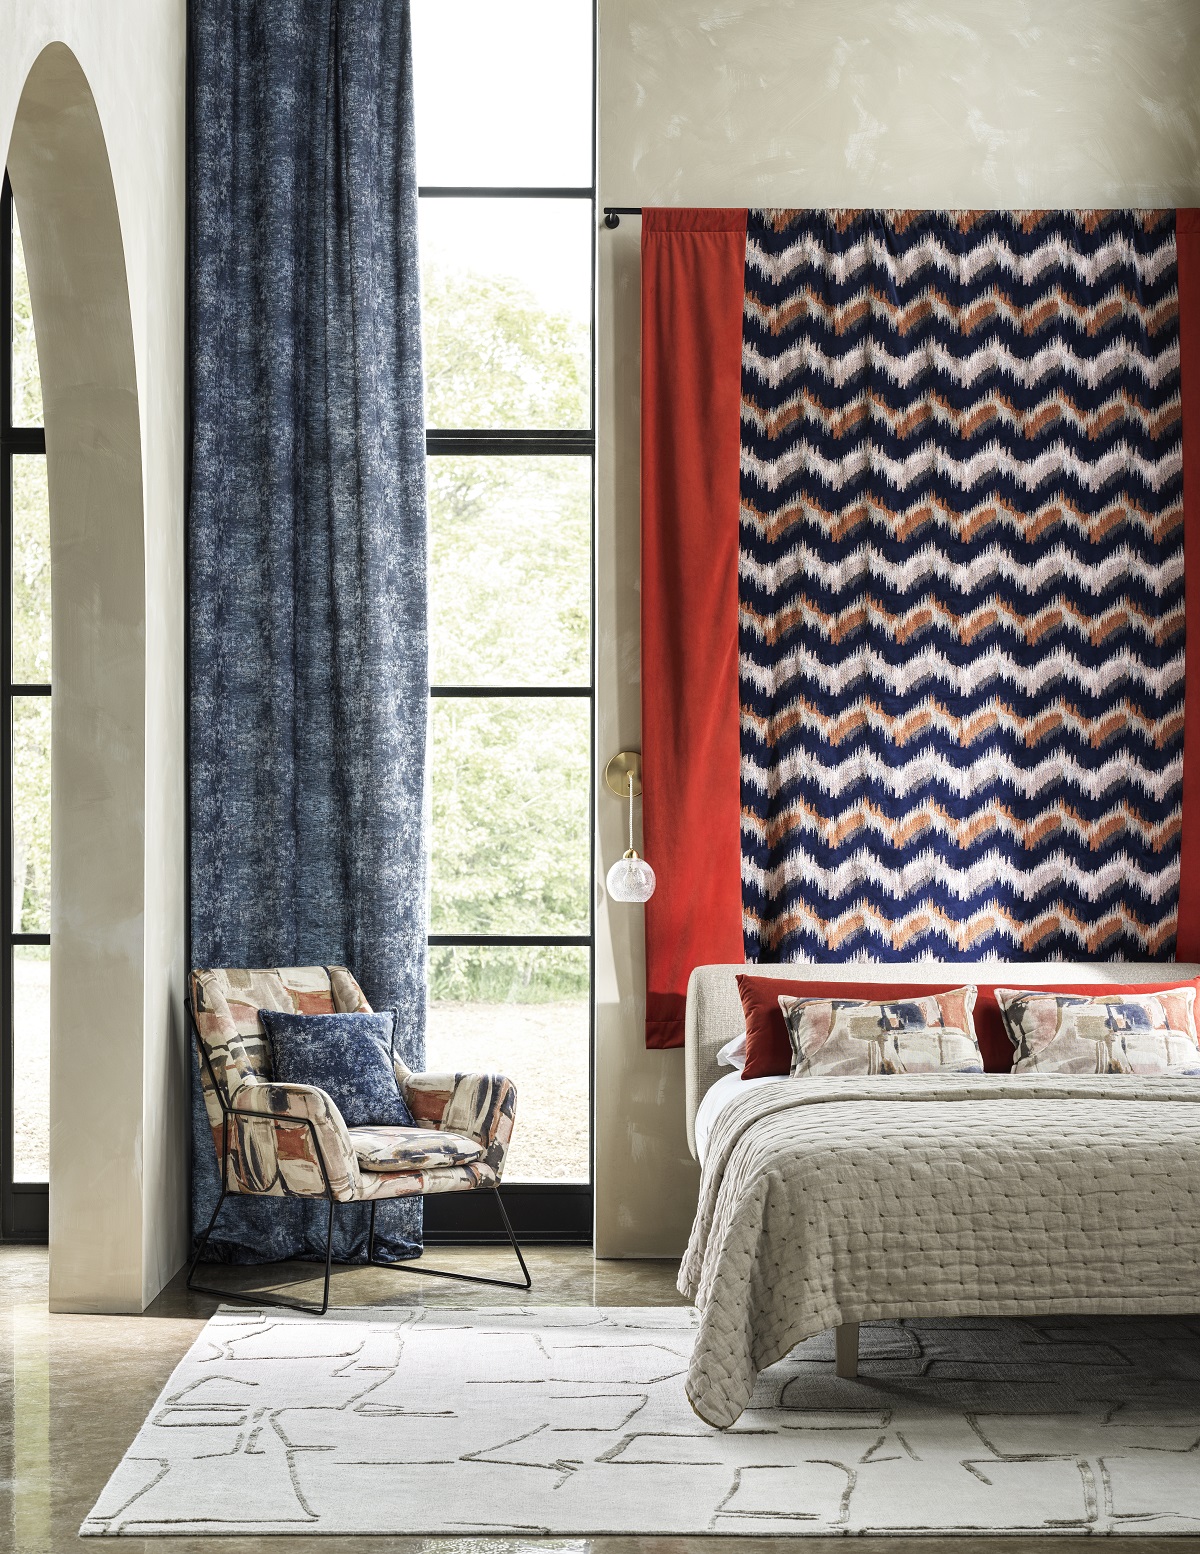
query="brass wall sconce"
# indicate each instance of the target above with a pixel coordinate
(631, 878)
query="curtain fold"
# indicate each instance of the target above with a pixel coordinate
(308, 644)
(693, 264)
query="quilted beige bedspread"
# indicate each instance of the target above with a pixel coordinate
(844, 1200)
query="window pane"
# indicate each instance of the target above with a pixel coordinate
(503, 92)
(510, 570)
(507, 313)
(27, 381)
(523, 1013)
(31, 1062)
(31, 814)
(31, 571)
(510, 815)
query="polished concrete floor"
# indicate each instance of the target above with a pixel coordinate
(74, 1391)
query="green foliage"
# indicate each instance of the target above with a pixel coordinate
(31, 813)
(510, 816)
(474, 974)
(510, 585)
(509, 572)
(31, 571)
(27, 380)
(494, 357)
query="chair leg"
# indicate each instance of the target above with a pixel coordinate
(445, 1273)
(253, 1299)
(203, 1241)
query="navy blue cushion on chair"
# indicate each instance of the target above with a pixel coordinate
(349, 1056)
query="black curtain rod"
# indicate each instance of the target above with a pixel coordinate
(613, 213)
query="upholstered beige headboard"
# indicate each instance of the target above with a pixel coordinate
(714, 1010)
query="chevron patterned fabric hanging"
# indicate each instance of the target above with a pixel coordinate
(967, 471)
(961, 585)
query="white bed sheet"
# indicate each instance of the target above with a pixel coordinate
(726, 1090)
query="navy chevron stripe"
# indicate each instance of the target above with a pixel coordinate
(961, 585)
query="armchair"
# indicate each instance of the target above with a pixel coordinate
(287, 1140)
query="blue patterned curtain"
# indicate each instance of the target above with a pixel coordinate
(309, 672)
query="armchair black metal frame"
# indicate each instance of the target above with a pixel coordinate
(255, 1298)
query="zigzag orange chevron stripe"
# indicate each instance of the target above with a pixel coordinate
(963, 420)
(963, 523)
(864, 816)
(841, 317)
(898, 933)
(902, 728)
(932, 614)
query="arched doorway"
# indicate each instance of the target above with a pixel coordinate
(67, 208)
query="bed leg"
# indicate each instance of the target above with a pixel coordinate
(845, 1350)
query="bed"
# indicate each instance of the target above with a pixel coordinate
(833, 1201)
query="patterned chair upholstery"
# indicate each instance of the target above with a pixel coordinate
(286, 1140)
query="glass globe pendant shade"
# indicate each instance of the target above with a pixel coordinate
(631, 879)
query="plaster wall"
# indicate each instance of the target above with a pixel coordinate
(118, 1057)
(925, 103)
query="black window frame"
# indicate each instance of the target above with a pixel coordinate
(540, 1211)
(24, 1206)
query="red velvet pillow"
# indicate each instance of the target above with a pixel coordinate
(768, 1050)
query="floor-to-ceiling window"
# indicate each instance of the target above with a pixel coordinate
(505, 166)
(25, 757)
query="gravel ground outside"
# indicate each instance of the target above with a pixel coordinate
(543, 1048)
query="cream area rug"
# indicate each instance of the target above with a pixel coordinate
(482, 1423)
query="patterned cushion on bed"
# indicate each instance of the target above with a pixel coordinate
(912, 1036)
(412, 1149)
(1113, 1033)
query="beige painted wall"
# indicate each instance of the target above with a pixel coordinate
(814, 103)
(118, 1057)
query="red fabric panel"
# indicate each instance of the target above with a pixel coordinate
(768, 1050)
(693, 276)
(1187, 241)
